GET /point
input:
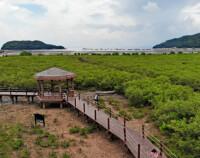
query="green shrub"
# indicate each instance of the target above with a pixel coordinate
(17, 144)
(101, 105)
(108, 111)
(56, 144)
(38, 140)
(128, 117)
(143, 53)
(138, 112)
(52, 154)
(135, 53)
(25, 53)
(115, 53)
(45, 144)
(123, 112)
(180, 52)
(36, 131)
(116, 104)
(110, 100)
(55, 120)
(75, 129)
(25, 154)
(172, 52)
(83, 131)
(46, 134)
(65, 144)
(51, 138)
(66, 155)
(90, 129)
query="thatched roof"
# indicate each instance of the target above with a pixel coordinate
(54, 74)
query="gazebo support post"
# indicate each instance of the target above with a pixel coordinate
(67, 83)
(39, 93)
(52, 86)
(61, 105)
(16, 99)
(42, 88)
(72, 82)
(43, 105)
(32, 99)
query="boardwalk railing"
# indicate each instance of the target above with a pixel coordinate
(138, 145)
(14, 93)
(163, 148)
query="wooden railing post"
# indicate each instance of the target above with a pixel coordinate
(138, 150)
(143, 131)
(161, 147)
(87, 100)
(124, 122)
(75, 102)
(67, 97)
(84, 107)
(108, 123)
(125, 134)
(95, 115)
(124, 129)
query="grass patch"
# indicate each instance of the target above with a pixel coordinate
(75, 129)
(65, 155)
(65, 144)
(139, 112)
(125, 114)
(17, 144)
(25, 153)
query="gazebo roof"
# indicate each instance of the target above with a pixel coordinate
(54, 74)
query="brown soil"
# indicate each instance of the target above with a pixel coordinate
(96, 144)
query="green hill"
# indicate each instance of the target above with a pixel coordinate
(189, 41)
(28, 45)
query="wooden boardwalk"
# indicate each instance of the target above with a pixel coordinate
(132, 139)
(15, 94)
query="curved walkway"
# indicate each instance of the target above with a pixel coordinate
(130, 137)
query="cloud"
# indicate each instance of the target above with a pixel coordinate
(94, 23)
(192, 14)
(151, 7)
(70, 22)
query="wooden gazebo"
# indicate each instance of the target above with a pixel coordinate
(53, 83)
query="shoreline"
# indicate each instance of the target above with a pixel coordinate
(90, 51)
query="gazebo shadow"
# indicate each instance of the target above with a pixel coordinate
(54, 105)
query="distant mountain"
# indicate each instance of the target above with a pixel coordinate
(190, 41)
(28, 45)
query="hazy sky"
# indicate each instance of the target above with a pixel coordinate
(98, 23)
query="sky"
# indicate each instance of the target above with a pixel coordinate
(98, 23)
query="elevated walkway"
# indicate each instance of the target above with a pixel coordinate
(138, 145)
